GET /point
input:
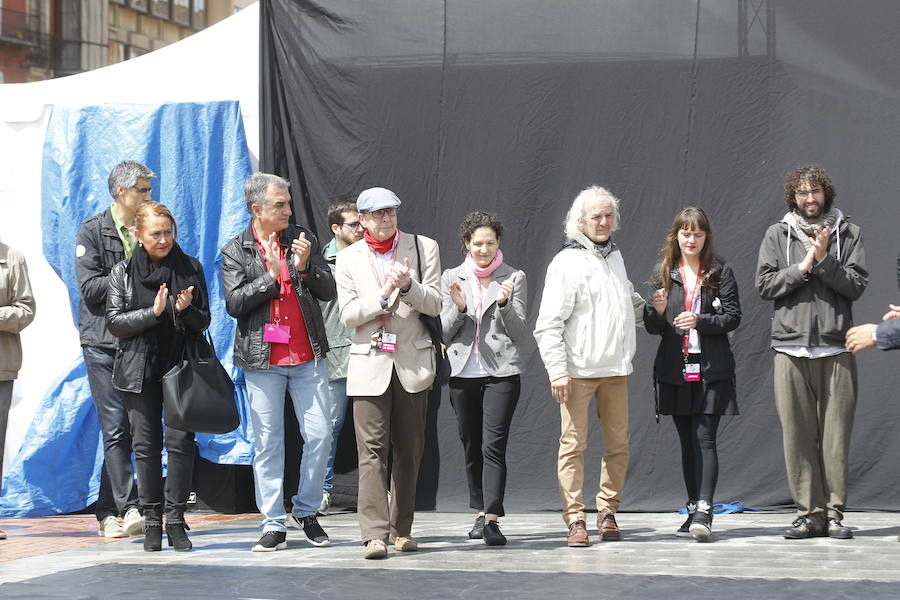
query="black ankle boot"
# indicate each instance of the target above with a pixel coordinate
(178, 539)
(152, 537)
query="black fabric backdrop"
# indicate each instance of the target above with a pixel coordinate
(514, 106)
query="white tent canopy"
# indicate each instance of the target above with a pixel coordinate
(218, 63)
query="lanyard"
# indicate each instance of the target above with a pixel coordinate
(689, 297)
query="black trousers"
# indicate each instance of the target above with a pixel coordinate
(118, 492)
(145, 411)
(484, 409)
(699, 458)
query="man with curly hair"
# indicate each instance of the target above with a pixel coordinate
(812, 266)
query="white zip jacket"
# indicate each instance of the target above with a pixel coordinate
(589, 309)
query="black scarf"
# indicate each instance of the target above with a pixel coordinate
(175, 270)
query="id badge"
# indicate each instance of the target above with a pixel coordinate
(276, 333)
(388, 342)
(692, 371)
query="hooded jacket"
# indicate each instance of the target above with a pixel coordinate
(585, 325)
(815, 309)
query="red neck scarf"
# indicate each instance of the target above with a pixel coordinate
(379, 247)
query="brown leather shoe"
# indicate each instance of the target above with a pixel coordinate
(608, 528)
(578, 535)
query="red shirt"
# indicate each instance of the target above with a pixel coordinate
(298, 350)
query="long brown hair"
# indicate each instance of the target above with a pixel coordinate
(690, 218)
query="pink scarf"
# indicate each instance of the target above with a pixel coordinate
(476, 272)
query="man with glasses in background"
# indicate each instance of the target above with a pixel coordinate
(343, 219)
(102, 241)
(813, 267)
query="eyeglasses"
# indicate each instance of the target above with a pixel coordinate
(382, 213)
(352, 224)
(142, 190)
(815, 192)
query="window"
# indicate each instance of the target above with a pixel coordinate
(198, 19)
(160, 8)
(181, 11)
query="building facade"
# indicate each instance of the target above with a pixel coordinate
(42, 39)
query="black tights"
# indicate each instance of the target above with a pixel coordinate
(699, 459)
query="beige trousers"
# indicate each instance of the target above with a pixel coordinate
(611, 394)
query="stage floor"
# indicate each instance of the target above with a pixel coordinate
(748, 558)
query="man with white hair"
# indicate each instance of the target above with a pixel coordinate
(585, 334)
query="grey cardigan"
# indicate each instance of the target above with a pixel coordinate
(503, 329)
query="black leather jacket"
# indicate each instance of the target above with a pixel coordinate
(133, 327)
(714, 321)
(98, 249)
(249, 291)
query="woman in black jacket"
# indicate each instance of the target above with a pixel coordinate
(157, 302)
(693, 309)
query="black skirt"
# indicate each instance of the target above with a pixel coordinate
(698, 398)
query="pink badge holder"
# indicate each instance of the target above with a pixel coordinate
(276, 334)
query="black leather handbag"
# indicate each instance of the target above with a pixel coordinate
(436, 331)
(198, 394)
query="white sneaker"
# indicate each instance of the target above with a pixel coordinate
(133, 523)
(325, 505)
(110, 528)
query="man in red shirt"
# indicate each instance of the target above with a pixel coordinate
(273, 276)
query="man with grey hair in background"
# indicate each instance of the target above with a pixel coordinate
(273, 276)
(586, 337)
(102, 241)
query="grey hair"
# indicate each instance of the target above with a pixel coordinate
(257, 186)
(126, 174)
(574, 222)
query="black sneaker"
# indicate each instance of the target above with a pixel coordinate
(837, 530)
(701, 525)
(314, 532)
(477, 531)
(804, 528)
(270, 542)
(492, 535)
(685, 529)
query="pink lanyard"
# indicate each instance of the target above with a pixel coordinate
(689, 296)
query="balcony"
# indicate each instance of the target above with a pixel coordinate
(18, 28)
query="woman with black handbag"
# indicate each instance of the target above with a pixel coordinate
(483, 317)
(694, 307)
(157, 302)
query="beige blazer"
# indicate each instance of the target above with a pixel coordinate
(359, 301)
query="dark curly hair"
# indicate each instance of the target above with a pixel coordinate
(475, 220)
(812, 174)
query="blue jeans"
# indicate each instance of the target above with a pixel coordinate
(308, 387)
(337, 402)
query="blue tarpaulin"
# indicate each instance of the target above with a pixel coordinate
(199, 153)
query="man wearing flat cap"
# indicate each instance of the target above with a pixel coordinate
(385, 282)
